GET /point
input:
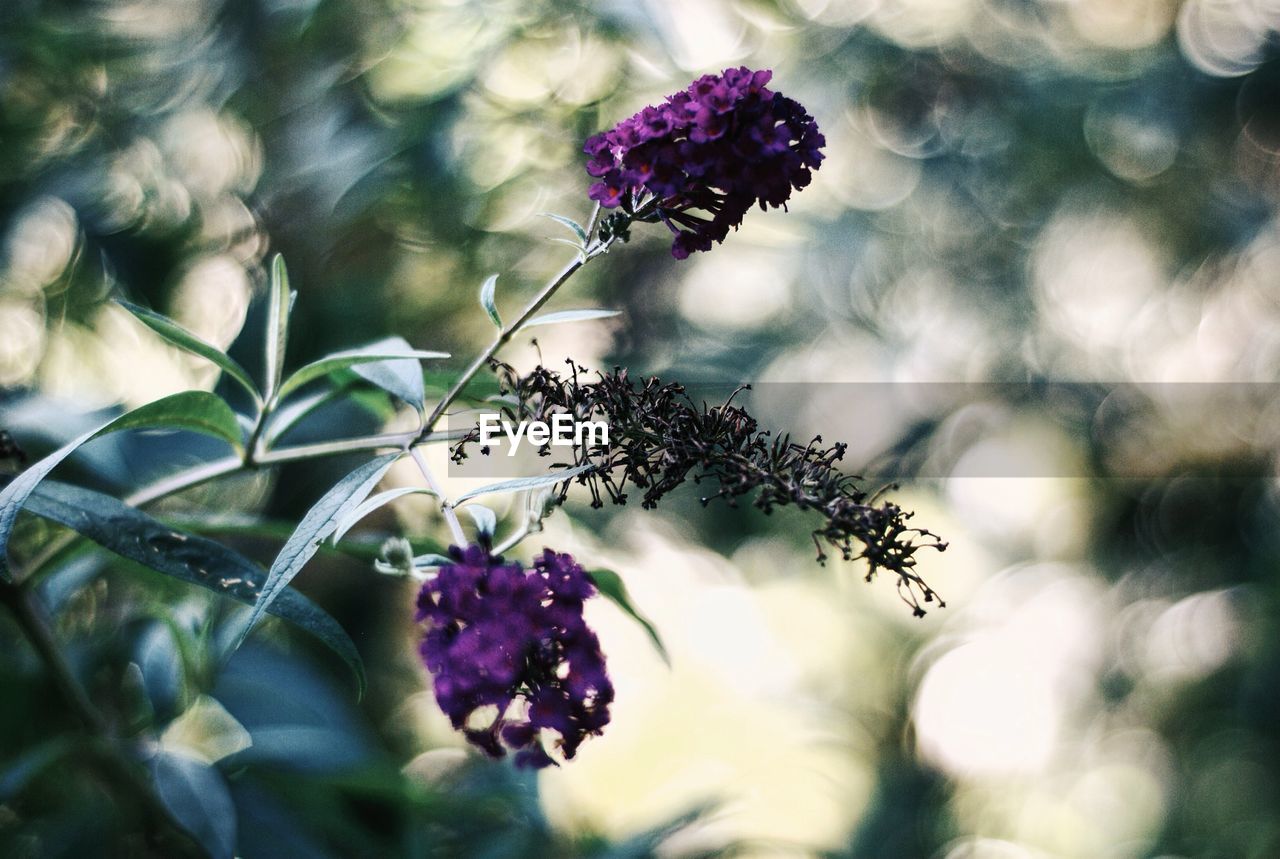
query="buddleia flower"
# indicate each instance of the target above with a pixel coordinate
(514, 639)
(700, 160)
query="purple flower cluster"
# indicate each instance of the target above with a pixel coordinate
(719, 147)
(499, 635)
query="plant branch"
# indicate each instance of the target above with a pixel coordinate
(251, 451)
(450, 515)
(509, 331)
(295, 453)
(227, 466)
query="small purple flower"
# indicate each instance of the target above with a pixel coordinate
(499, 635)
(719, 147)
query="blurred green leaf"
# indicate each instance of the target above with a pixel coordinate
(157, 653)
(612, 587)
(487, 299)
(134, 535)
(197, 796)
(481, 385)
(525, 483)
(17, 772)
(402, 379)
(349, 360)
(318, 524)
(198, 411)
(571, 316)
(205, 731)
(298, 721)
(280, 303)
(184, 339)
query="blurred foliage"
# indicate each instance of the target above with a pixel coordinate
(1016, 191)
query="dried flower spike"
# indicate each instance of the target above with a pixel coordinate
(717, 148)
(659, 439)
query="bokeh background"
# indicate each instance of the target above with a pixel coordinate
(1016, 191)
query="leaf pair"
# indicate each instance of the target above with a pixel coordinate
(488, 301)
(391, 364)
(578, 231)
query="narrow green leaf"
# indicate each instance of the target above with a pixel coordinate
(487, 292)
(486, 520)
(137, 537)
(525, 483)
(184, 339)
(611, 586)
(570, 223)
(197, 796)
(571, 316)
(382, 499)
(198, 411)
(345, 360)
(318, 524)
(279, 304)
(402, 379)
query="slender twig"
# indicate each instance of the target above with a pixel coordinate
(450, 515)
(176, 483)
(251, 447)
(501, 340)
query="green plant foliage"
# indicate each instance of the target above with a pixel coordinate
(519, 484)
(570, 316)
(349, 360)
(196, 411)
(197, 796)
(402, 379)
(612, 587)
(280, 300)
(134, 535)
(320, 522)
(184, 339)
(488, 291)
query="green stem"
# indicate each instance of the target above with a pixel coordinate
(514, 538)
(251, 452)
(450, 515)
